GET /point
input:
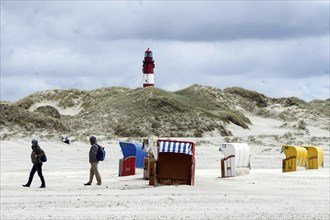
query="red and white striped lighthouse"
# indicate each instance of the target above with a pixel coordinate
(148, 69)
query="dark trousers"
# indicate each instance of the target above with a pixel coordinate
(36, 168)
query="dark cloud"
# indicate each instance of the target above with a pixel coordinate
(185, 21)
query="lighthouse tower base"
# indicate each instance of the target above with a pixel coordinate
(148, 80)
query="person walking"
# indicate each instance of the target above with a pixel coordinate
(94, 163)
(37, 155)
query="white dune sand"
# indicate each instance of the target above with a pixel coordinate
(265, 193)
(63, 111)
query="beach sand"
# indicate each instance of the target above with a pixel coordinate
(264, 193)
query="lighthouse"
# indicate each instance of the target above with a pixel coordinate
(148, 69)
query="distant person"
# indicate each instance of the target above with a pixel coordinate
(37, 156)
(66, 140)
(145, 143)
(94, 162)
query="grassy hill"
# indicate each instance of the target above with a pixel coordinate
(140, 112)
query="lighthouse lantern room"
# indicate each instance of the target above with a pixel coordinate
(148, 69)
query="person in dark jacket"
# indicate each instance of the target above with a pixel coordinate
(36, 155)
(94, 163)
(66, 140)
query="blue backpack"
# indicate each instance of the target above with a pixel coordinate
(100, 153)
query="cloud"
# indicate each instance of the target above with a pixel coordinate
(185, 21)
(87, 45)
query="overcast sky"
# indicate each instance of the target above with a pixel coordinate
(277, 48)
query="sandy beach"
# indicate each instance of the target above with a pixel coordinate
(264, 193)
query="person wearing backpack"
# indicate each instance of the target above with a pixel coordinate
(94, 162)
(37, 157)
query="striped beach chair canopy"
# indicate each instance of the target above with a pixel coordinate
(175, 147)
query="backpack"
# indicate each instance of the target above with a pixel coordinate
(43, 158)
(100, 153)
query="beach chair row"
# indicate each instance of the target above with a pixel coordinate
(309, 157)
(172, 162)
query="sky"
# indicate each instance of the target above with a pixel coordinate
(278, 48)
